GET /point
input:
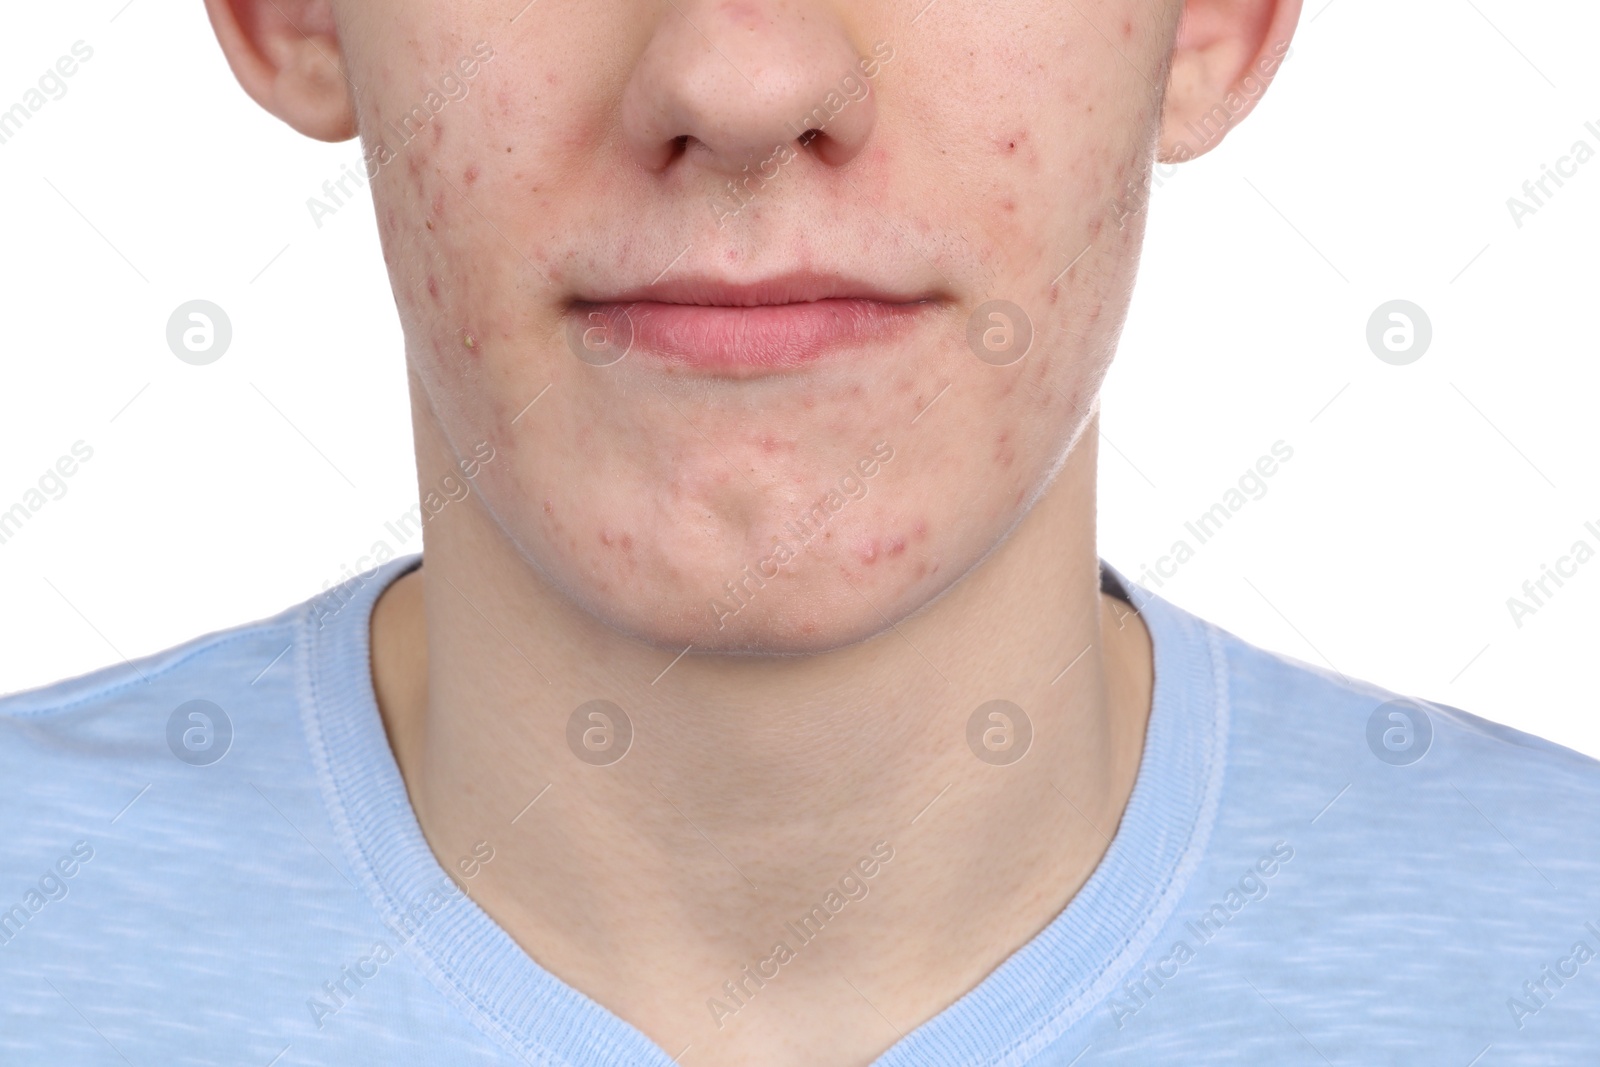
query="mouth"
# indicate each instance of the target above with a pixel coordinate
(714, 326)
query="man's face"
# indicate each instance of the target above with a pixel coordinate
(567, 184)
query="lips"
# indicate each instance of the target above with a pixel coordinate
(715, 326)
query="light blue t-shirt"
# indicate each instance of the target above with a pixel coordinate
(207, 857)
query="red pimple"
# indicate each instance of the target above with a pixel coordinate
(471, 174)
(433, 288)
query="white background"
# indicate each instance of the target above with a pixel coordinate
(1418, 500)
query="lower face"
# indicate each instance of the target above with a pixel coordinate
(776, 477)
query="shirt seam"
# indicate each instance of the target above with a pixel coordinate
(111, 688)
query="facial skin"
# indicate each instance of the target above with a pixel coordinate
(996, 152)
(990, 150)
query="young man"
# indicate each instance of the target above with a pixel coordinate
(762, 699)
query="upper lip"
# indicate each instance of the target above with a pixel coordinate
(796, 287)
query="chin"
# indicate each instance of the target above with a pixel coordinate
(795, 621)
(792, 589)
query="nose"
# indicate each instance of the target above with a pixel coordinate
(722, 83)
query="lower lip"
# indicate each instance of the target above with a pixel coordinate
(735, 340)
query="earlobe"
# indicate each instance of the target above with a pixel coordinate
(1227, 53)
(286, 55)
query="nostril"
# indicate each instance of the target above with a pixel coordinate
(680, 145)
(809, 136)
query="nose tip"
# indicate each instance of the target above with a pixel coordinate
(723, 83)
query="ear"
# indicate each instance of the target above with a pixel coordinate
(1225, 57)
(286, 55)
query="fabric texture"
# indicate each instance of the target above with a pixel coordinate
(209, 857)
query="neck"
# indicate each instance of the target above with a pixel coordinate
(753, 785)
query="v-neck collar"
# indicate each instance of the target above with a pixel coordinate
(1019, 1009)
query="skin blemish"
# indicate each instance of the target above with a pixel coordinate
(438, 202)
(897, 545)
(433, 288)
(471, 174)
(867, 551)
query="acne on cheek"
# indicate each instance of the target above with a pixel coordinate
(869, 549)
